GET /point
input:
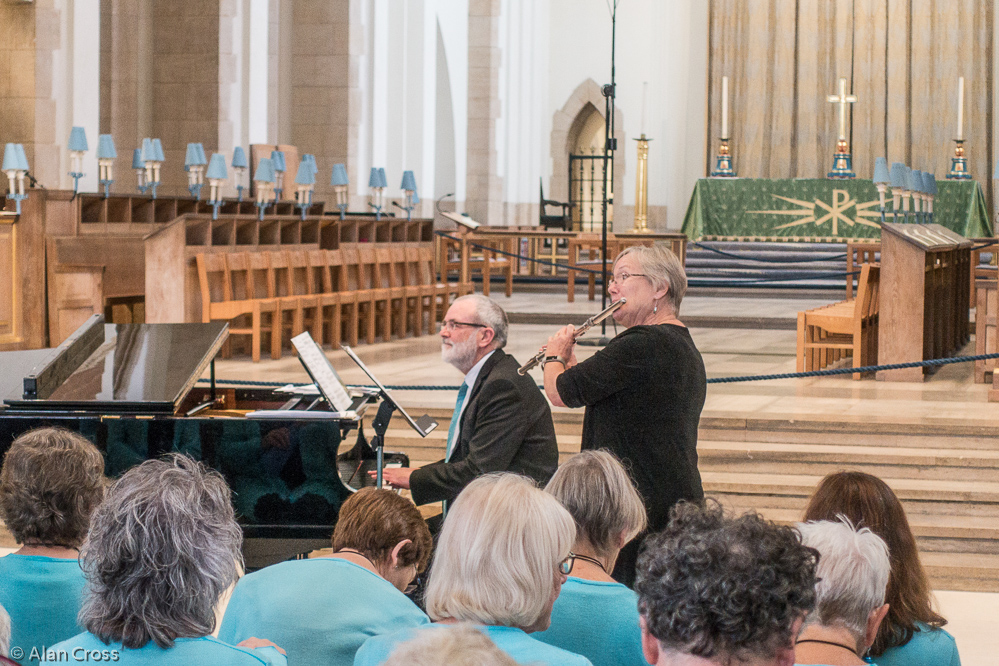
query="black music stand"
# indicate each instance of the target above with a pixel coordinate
(423, 425)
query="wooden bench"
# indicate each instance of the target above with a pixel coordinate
(827, 334)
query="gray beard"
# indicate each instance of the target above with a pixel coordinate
(460, 355)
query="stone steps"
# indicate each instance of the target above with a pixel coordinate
(946, 475)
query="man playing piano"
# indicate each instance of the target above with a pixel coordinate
(501, 421)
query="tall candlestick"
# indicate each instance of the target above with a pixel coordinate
(724, 127)
(960, 108)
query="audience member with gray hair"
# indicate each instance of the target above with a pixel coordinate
(714, 590)
(454, 645)
(162, 549)
(595, 615)
(52, 480)
(5, 638)
(501, 422)
(850, 594)
(500, 562)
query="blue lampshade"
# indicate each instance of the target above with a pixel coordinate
(11, 160)
(382, 180)
(239, 158)
(408, 181)
(897, 176)
(881, 171)
(373, 179)
(265, 171)
(216, 168)
(78, 140)
(913, 183)
(933, 184)
(137, 159)
(311, 159)
(203, 159)
(192, 158)
(148, 152)
(158, 150)
(339, 176)
(927, 185)
(105, 147)
(277, 159)
(21, 157)
(305, 175)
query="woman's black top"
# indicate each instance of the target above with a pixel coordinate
(643, 395)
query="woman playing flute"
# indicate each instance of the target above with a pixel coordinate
(643, 392)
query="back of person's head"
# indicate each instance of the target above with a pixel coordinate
(373, 521)
(724, 589)
(162, 549)
(4, 633)
(454, 645)
(867, 501)
(601, 498)
(852, 576)
(51, 481)
(498, 555)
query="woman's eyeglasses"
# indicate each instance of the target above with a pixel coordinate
(619, 279)
(565, 566)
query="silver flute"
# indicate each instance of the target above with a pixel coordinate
(587, 325)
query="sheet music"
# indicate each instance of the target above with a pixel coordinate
(321, 371)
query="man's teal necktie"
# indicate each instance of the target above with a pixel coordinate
(455, 418)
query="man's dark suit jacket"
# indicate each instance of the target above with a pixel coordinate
(506, 427)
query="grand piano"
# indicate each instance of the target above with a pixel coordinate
(134, 390)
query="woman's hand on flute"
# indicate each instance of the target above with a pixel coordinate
(562, 343)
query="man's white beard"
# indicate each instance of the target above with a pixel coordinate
(460, 354)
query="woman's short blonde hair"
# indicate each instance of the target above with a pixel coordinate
(662, 268)
(498, 554)
(455, 645)
(597, 491)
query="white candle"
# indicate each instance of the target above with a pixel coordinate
(960, 108)
(645, 102)
(724, 132)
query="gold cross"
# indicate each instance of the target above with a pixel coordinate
(842, 99)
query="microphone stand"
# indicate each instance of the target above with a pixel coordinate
(380, 426)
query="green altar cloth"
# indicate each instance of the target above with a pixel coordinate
(818, 210)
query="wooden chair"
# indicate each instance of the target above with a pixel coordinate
(389, 281)
(354, 283)
(486, 259)
(589, 247)
(218, 301)
(349, 313)
(858, 254)
(303, 287)
(828, 333)
(440, 290)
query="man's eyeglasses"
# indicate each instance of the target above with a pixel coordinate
(565, 566)
(619, 279)
(450, 324)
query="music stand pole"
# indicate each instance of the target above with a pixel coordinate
(380, 426)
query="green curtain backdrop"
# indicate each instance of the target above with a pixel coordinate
(901, 58)
(817, 210)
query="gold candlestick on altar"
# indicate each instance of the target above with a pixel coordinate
(642, 187)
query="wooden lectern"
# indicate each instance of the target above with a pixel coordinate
(924, 296)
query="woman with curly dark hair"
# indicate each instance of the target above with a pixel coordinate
(713, 589)
(51, 481)
(911, 634)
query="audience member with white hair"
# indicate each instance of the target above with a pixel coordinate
(322, 609)
(719, 591)
(501, 559)
(52, 480)
(456, 645)
(5, 639)
(595, 615)
(850, 594)
(162, 548)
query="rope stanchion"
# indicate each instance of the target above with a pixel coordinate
(713, 380)
(766, 261)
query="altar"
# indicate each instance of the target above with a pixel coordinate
(818, 210)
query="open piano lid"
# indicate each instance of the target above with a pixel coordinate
(118, 368)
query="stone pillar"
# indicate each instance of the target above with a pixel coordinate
(322, 88)
(484, 190)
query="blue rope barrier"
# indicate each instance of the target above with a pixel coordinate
(714, 380)
(767, 261)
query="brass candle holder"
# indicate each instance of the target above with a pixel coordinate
(642, 187)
